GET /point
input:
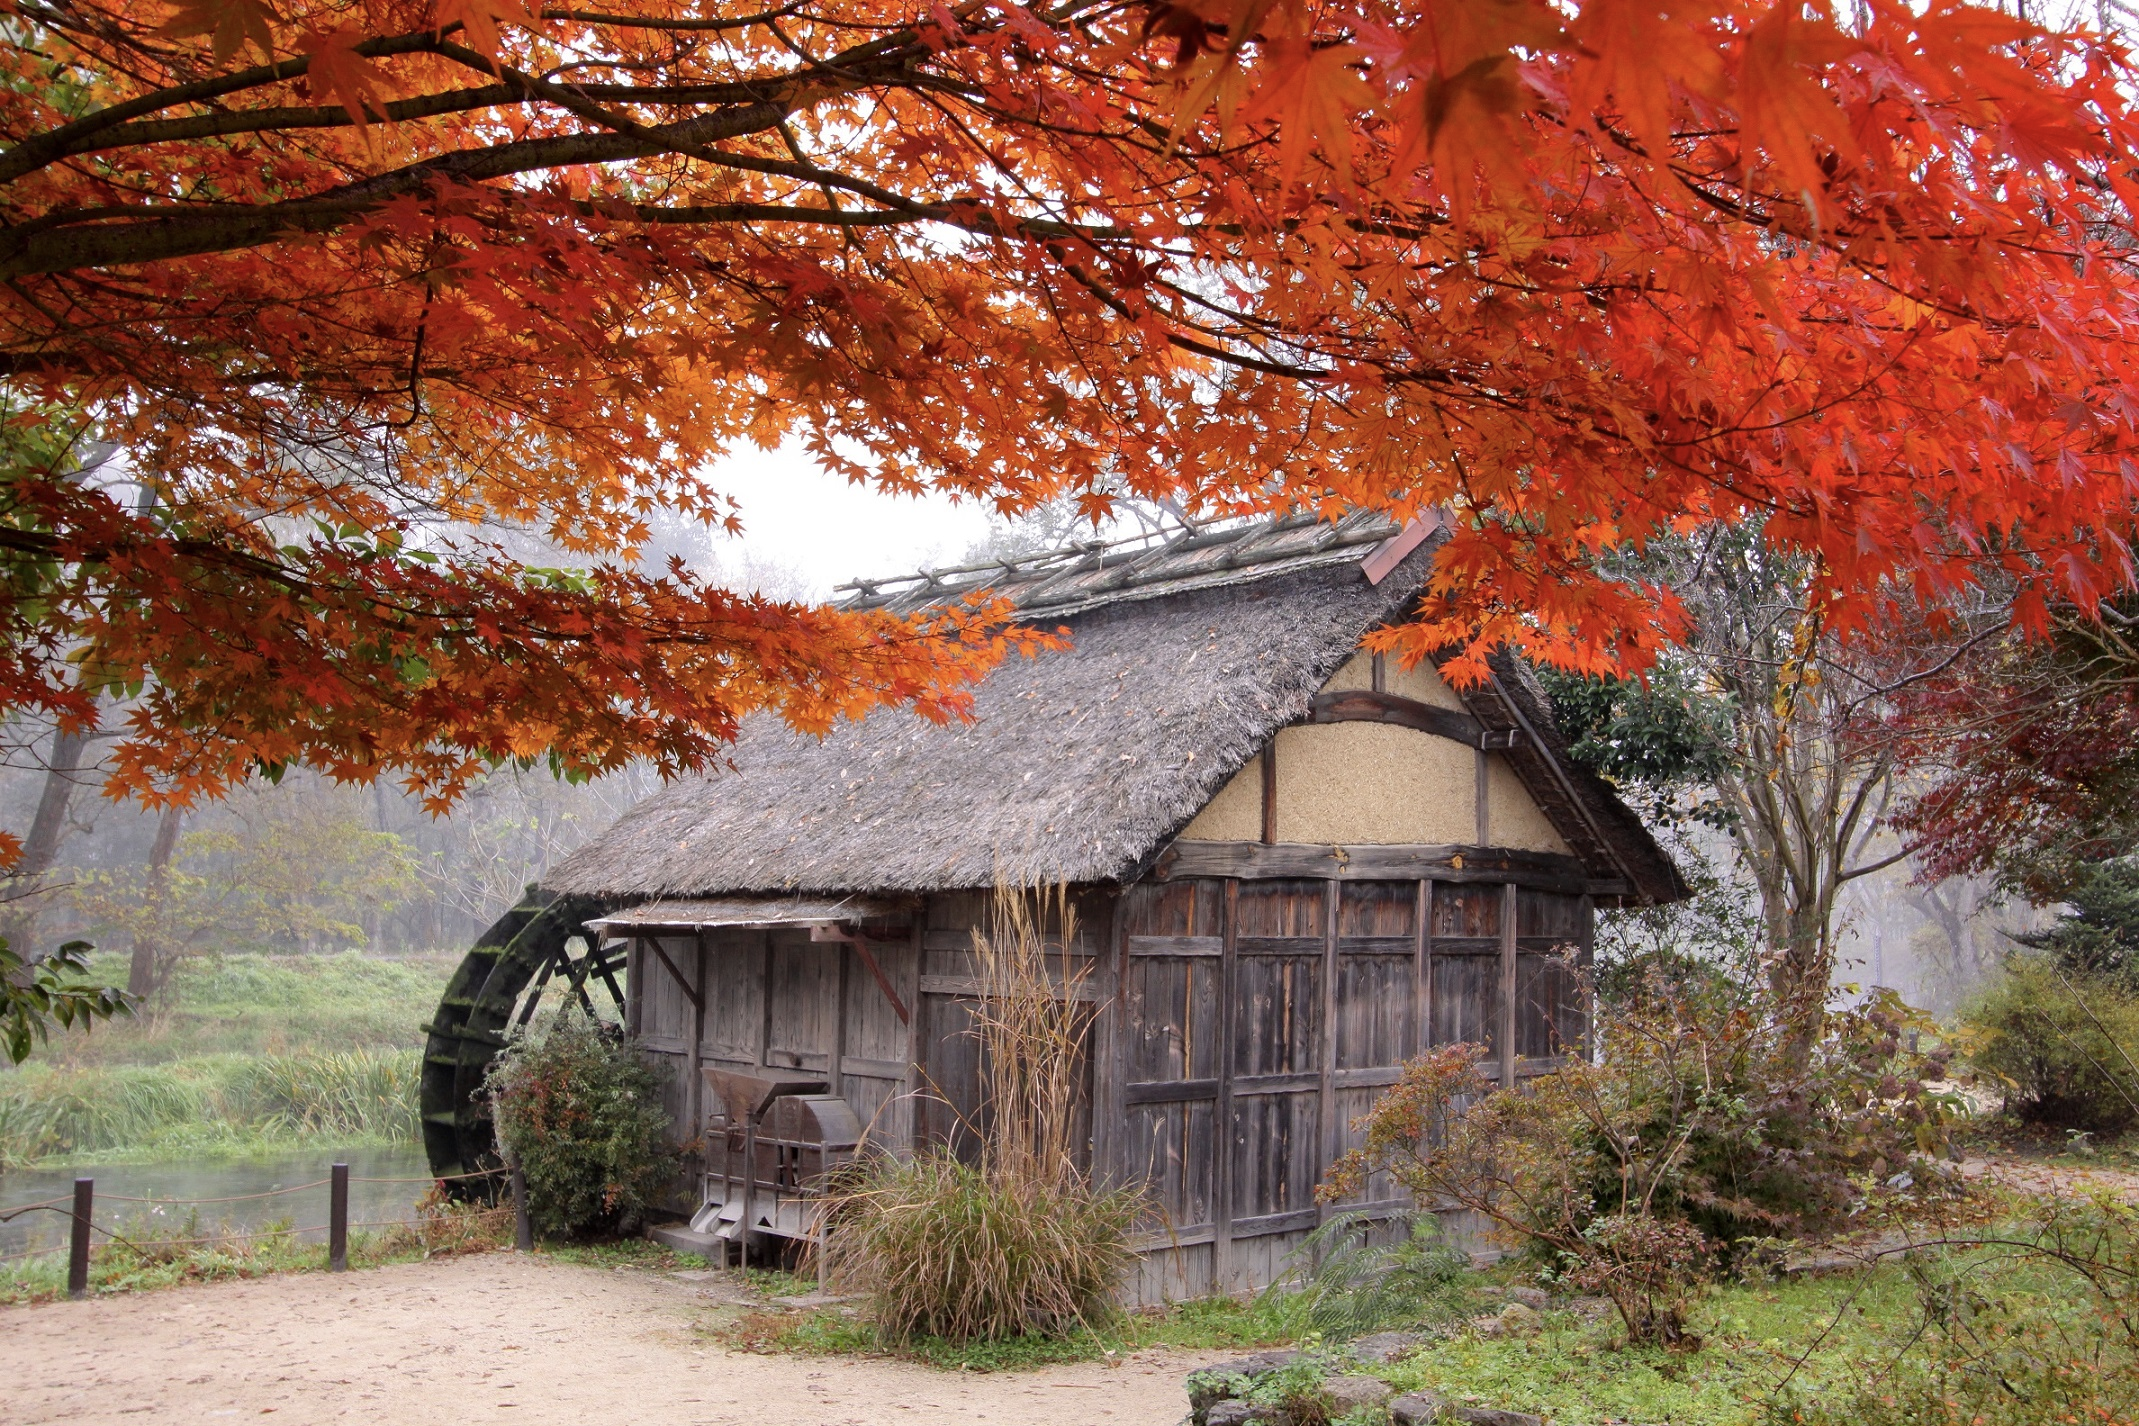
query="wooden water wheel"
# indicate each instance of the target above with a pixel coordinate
(539, 948)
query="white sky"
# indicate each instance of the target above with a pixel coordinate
(798, 518)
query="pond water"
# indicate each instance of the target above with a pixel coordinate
(162, 1196)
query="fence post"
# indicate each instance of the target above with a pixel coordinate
(523, 1229)
(338, 1219)
(78, 1240)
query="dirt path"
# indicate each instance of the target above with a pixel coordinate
(2040, 1178)
(500, 1338)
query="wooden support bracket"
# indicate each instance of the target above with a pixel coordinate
(824, 931)
(689, 989)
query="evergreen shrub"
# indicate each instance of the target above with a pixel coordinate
(579, 1111)
(2062, 1044)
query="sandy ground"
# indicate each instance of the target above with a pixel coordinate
(501, 1338)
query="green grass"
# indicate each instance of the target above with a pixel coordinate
(211, 1105)
(267, 1005)
(1765, 1346)
(242, 1055)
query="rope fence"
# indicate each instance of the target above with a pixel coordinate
(79, 1209)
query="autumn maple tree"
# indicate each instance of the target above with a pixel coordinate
(347, 283)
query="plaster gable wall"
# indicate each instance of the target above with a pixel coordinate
(1366, 784)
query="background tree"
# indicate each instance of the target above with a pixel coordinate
(273, 873)
(1768, 724)
(2028, 755)
(350, 281)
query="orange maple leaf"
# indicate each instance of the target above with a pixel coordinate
(479, 19)
(339, 73)
(233, 23)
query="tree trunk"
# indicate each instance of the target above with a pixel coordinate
(144, 975)
(48, 828)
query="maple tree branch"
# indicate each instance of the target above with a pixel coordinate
(49, 147)
(646, 22)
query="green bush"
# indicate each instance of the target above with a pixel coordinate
(1344, 1283)
(579, 1112)
(2062, 1043)
(955, 1251)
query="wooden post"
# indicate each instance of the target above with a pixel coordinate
(1329, 1132)
(523, 1227)
(698, 1153)
(1507, 986)
(338, 1218)
(1222, 1132)
(1422, 978)
(1481, 788)
(78, 1238)
(1269, 766)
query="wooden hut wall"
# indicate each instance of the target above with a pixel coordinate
(1259, 1019)
(777, 999)
(951, 1106)
(1240, 1026)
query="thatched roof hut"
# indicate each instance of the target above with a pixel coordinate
(1294, 865)
(1187, 658)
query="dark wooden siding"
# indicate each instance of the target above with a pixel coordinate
(1260, 1020)
(1240, 1028)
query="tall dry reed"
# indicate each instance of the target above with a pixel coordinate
(1020, 1242)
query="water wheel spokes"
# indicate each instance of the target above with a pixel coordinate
(533, 949)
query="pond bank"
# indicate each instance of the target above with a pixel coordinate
(174, 1191)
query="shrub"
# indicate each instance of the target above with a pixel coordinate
(956, 1251)
(1345, 1284)
(2061, 1045)
(1020, 1243)
(1710, 1124)
(2018, 1327)
(579, 1112)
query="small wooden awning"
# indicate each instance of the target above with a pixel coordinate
(746, 912)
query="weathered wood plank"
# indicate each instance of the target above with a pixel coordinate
(1169, 1091)
(972, 986)
(1254, 861)
(1360, 705)
(1176, 945)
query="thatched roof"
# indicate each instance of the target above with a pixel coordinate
(1079, 766)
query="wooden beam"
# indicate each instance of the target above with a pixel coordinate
(1365, 705)
(1222, 1116)
(860, 943)
(1329, 1131)
(1507, 987)
(688, 989)
(1269, 766)
(1482, 792)
(1257, 861)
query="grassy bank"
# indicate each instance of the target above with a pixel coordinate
(229, 1104)
(267, 1005)
(241, 1055)
(151, 1255)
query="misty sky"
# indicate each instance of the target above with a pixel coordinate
(827, 531)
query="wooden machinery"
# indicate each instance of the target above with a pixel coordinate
(771, 1137)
